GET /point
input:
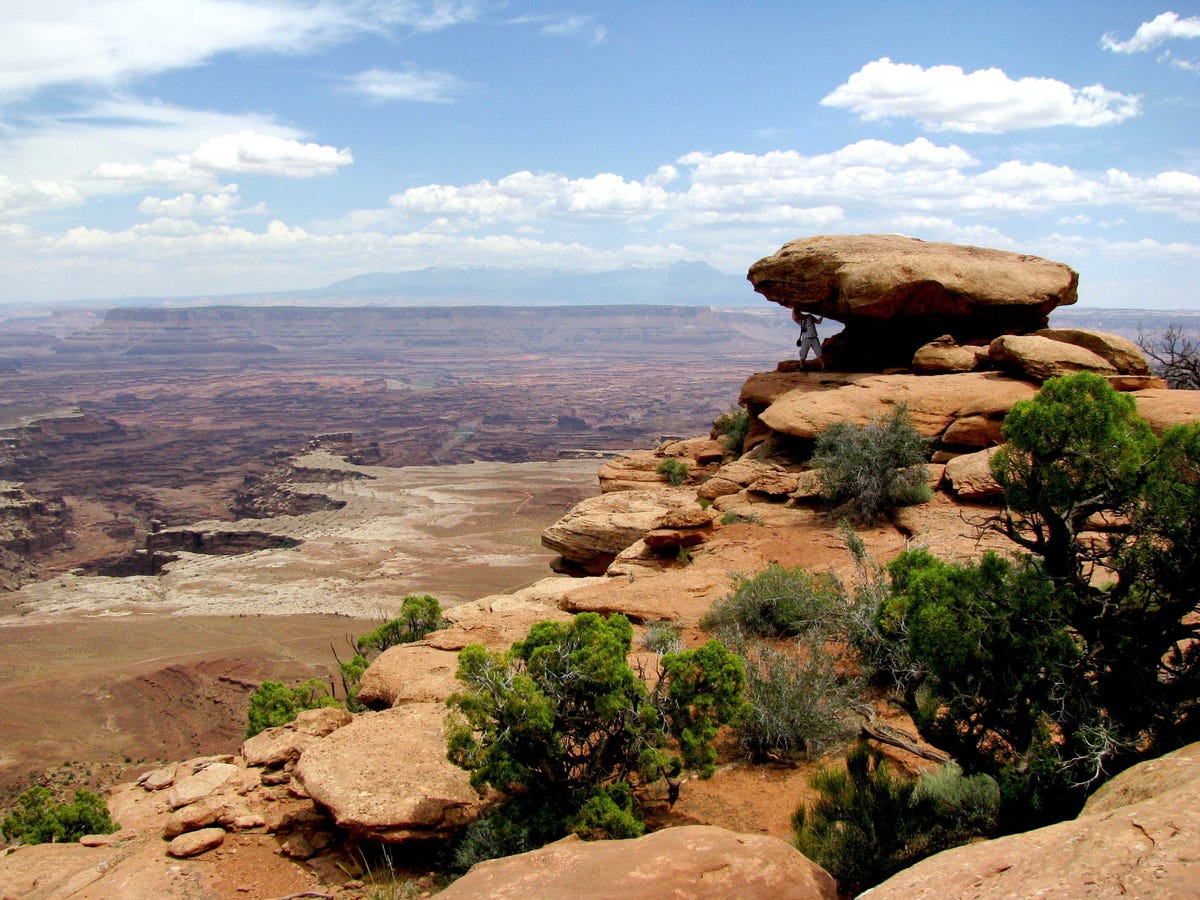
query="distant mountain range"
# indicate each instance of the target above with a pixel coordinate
(678, 284)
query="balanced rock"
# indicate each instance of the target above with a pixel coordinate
(699, 861)
(385, 776)
(1138, 836)
(895, 293)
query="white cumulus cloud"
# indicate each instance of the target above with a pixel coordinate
(23, 198)
(262, 154)
(221, 204)
(1162, 28)
(945, 98)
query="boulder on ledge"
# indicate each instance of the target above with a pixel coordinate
(895, 294)
(385, 776)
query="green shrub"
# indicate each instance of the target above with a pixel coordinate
(855, 829)
(38, 818)
(873, 468)
(732, 427)
(777, 602)
(563, 725)
(419, 615)
(674, 470)
(737, 518)
(867, 824)
(951, 809)
(275, 704)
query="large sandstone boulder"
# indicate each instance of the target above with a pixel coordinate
(1138, 836)
(385, 776)
(409, 673)
(1121, 353)
(698, 861)
(934, 402)
(274, 748)
(970, 475)
(946, 355)
(1163, 408)
(895, 294)
(500, 620)
(591, 535)
(1040, 358)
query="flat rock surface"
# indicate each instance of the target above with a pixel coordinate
(691, 861)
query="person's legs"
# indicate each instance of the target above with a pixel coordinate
(815, 346)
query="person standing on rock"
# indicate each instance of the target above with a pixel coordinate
(808, 339)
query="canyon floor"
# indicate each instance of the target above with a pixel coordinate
(129, 671)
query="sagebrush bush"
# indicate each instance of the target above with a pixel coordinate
(663, 637)
(674, 470)
(797, 703)
(777, 602)
(873, 468)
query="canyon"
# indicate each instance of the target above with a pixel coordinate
(223, 432)
(224, 494)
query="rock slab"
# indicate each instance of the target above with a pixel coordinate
(695, 861)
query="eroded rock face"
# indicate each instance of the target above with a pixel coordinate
(1138, 836)
(895, 294)
(697, 861)
(385, 776)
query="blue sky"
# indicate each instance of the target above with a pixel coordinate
(204, 147)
